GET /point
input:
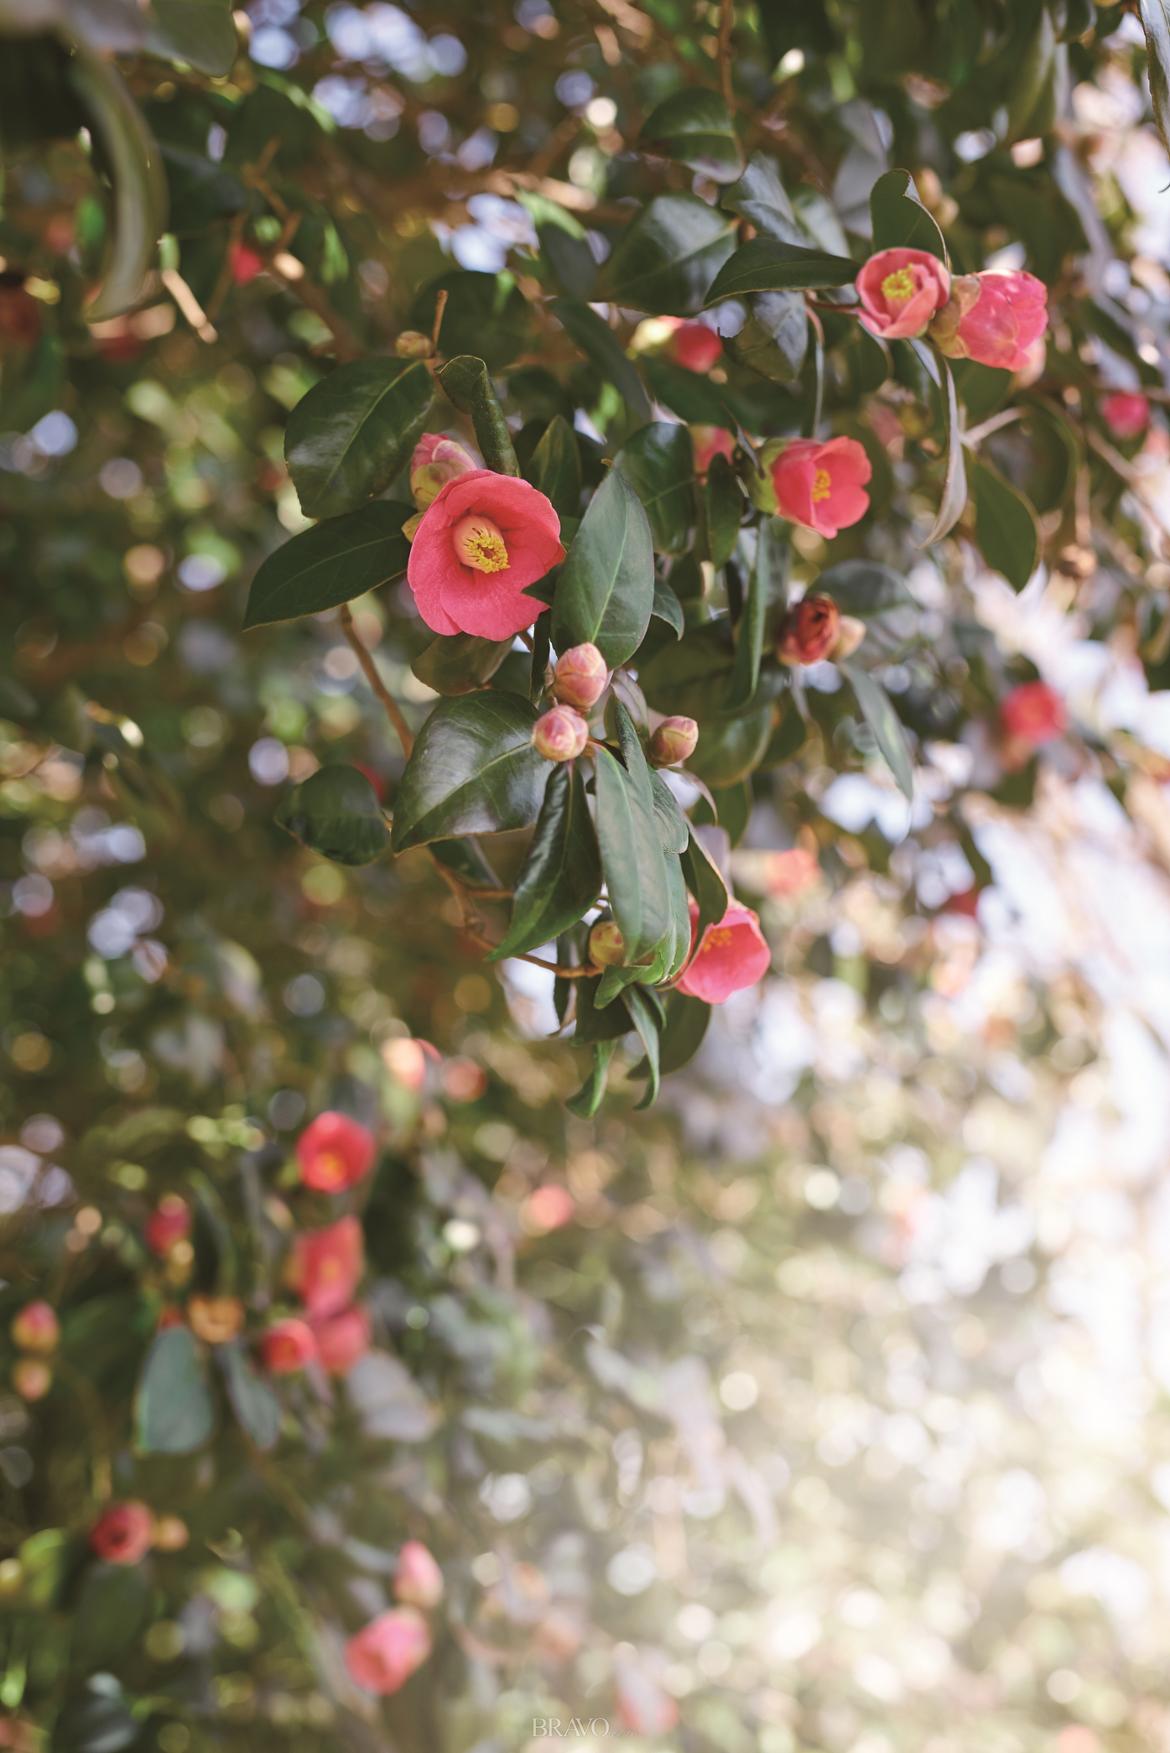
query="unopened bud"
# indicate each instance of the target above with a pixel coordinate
(850, 633)
(580, 676)
(673, 742)
(560, 734)
(35, 1328)
(607, 946)
(171, 1534)
(31, 1378)
(215, 1319)
(436, 461)
(413, 344)
(809, 631)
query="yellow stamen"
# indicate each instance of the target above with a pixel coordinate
(330, 1166)
(480, 544)
(718, 937)
(898, 286)
(822, 486)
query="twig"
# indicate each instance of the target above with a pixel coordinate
(440, 313)
(726, 25)
(370, 670)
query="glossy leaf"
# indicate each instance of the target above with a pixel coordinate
(589, 1097)
(200, 32)
(766, 586)
(473, 771)
(723, 508)
(606, 587)
(131, 152)
(954, 491)
(173, 1413)
(705, 882)
(459, 663)
(632, 859)
(687, 1020)
(562, 874)
(878, 711)
(1005, 525)
(347, 439)
(667, 608)
(332, 563)
(336, 812)
(647, 1020)
(900, 221)
(469, 386)
(252, 1400)
(556, 466)
(667, 258)
(767, 265)
(672, 824)
(760, 198)
(694, 128)
(604, 351)
(658, 461)
(864, 588)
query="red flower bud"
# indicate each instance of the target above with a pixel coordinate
(580, 676)
(168, 1223)
(36, 1328)
(1033, 714)
(245, 263)
(673, 742)
(809, 631)
(335, 1152)
(1126, 413)
(418, 1581)
(288, 1346)
(695, 347)
(560, 734)
(123, 1534)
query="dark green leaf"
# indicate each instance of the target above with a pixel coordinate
(760, 198)
(473, 771)
(954, 493)
(864, 588)
(97, 1720)
(667, 258)
(878, 711)
(691, 677)
(347, 439)
(688, 394)
(1005, 525)
(767, 265)
(766, 586)
(659, 463)
(199, 32)
(336, 812)
(253, 1402)
(694, 128)
(470, 388)
(667, 608)
(686, 1024)
(562, 874)
(724, 510)
(556, 466)
(173, 1413)
(632, 859)
(705, 883)
(332, 563)
(459, 663)
(732, 746)
(562, 243)
(1155, 17)
(108, 1615)
(589, 1097)
(647, 1020)
(606, 587)
(672, 824)
(774, 339)
(486, 315)
(900, 221)
(604, 352)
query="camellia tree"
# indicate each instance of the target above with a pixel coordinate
(554, 450)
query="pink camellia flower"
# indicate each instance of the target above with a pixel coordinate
(123, 1533)
(822, 486)
(435, 461)
(994, 319)
(418, 1581)
(693, 345)
(1033, 714)
(288, 1346)
(900, 290)
(168, 1223)
(547, 1208)
(382, 1657)
(343, 1339)
(792, 871)
(729, 956)
(335, 1152)
(327, 1265)
(478, 547)
(1126, 413)
(36, 1328)
(711, 442)
(581, 676)
(560, 734)
(809, 631)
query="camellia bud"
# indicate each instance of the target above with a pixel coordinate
(436, 461)
(413, 344)
(673, 742)
(580, 676)
(560, 734)
(809, 631)
(36, 1328)
(850, 633)
(607, 946)
(216, 1319)
(418, 1581)
(31, 1378)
